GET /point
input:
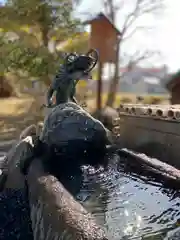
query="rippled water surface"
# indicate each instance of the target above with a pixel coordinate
(130, 205)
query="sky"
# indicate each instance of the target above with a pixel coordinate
(164, 38)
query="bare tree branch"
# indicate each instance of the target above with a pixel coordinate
(130, 26)
(112, 8)
(141, 8)
(132, 64)
(131, 61)
(140, 56)
(136, 29)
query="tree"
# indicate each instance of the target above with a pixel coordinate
(129, 27)
(132, 11)
(35, 23)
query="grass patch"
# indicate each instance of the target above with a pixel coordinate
(15, 115)
(129, 98)
(155, 99)
(12, 107)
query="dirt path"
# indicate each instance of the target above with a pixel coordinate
(15, 115)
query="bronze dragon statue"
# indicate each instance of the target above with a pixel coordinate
(74, 68)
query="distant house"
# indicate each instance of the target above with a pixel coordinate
(139, 81)
(143, 80)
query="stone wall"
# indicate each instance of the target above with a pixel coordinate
(153, 130)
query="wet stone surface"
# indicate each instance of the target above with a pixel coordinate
(74, 123)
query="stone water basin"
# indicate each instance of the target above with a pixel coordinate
(128, 204)
(131, 203)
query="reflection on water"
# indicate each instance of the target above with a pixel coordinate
(130, 206)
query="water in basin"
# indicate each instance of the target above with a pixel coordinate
(129, 205)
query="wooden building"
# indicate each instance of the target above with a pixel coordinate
(104, 37)
(173, 87)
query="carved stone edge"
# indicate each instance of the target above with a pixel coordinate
(165, 112)
(54, 211)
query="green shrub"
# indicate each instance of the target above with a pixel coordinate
(125, 100)
(139, 99)
(153, 100)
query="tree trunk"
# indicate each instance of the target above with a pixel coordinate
(114, 82)
(44, 39)
(45, 42)
(6, 90)
(99, 87)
